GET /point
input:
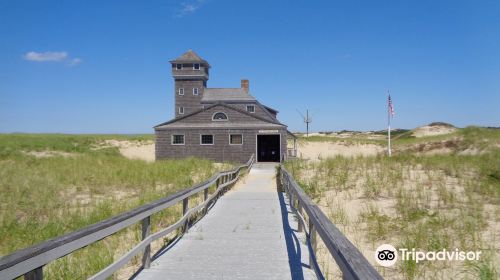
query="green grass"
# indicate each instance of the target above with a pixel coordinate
(431, 202)
(46, 197)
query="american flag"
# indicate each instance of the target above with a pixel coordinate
(389, 104)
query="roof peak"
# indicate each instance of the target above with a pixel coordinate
(189, 56)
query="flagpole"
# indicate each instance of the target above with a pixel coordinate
(389, 134)
(389, 152)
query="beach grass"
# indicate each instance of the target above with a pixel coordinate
(414, 200)
(53, 184)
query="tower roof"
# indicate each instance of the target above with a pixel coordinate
(190, 57)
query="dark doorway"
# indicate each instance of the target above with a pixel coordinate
(268, 148)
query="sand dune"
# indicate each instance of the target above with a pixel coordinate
(143, 150)
(321, 150)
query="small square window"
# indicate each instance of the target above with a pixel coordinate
(181, 110)
(251, 108)
(178, 66)
(196, 91)
(235, 139)
(178, 139)
(181, 91)
(207, 139)
(196, 66)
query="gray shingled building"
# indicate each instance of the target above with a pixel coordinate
(221, 124)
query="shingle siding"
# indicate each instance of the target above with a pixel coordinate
(233, 116)
(220, 151)
(189, 101)
(259, 111)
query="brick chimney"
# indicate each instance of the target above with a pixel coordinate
(245, 84)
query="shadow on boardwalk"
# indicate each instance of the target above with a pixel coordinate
(292, 242)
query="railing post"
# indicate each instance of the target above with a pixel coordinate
(35, 274)
(185, 204)
(205, 194)
(279, 180)
(312, 239)
(299, 211)
(146, 231)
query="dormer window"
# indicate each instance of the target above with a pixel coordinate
(251, 108)
(196, 66)
(219, 116)
(181, 91)
(178, 66)
(196, 91)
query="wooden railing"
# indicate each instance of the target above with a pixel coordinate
(30, 261)
(349, 259)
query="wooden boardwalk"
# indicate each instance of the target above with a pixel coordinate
(248, 234)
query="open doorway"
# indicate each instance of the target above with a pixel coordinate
(268, 148)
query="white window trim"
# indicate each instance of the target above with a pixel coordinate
(253, 109)
(183, 110)
(213, 140)
(178, 144)
(235, 134)
(180, 90)
(197, 91)
(219, 120)
(199, 66)
(182, 66)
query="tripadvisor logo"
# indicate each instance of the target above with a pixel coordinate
(386, 255)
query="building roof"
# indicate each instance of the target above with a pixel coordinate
(189, 56)
(226, 94)
(271, 109)
(216, 125)
(172, 123)
(230, 95)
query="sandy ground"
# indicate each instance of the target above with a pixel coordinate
(428, 130)
(346, 207)
(311, 150)
(321, 150)
(144, 150)
(364, 135)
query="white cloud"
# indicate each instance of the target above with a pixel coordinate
(189, 7)
(74, 61)
(52, 57)
(46, 56)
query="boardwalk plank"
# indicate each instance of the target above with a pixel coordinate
(249, 234)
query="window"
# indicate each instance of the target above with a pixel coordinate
(196, 66)
(181, 91)
(195, 91)
(219, 116)
(178, 66)
(178, 139)
(206, 139)
(236, 139)
(181, 110)
(251, 108)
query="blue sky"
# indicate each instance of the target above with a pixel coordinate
(102, 66)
